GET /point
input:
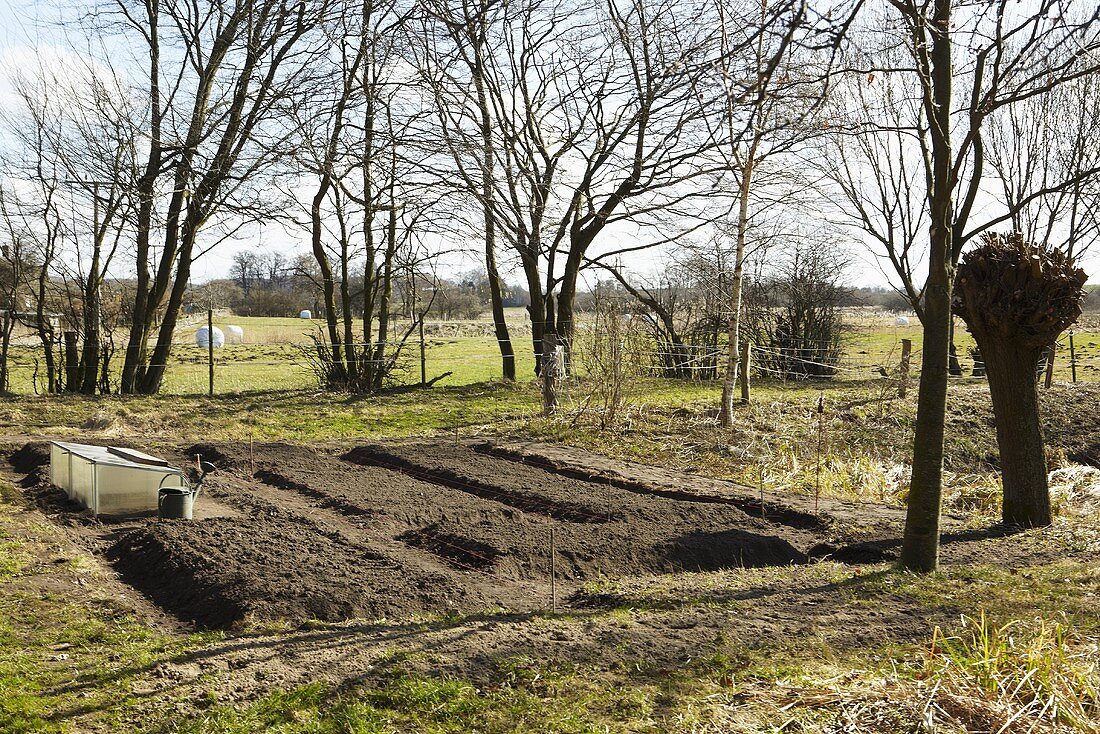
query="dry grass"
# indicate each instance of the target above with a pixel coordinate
(1021, 676)
(1025, 676)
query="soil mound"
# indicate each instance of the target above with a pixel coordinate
(30, 457)
(462, 469)
(218, 572)
(208, 452)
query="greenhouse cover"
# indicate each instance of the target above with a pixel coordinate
(109, 480)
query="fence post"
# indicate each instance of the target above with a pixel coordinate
(423, 356)
(4, 339)
(1072, 359)
(906, 355)
(549, 374)
(1050, 366)
(210, 345)
(746, 364)
(72, 362)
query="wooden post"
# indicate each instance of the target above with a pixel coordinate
(4, 340)
(746, 365)
(553, 573)
(1072, 359)
(763, 508)
(210, 345)
(423, 356)
(1049, 378)
(906, 355)
(72, 363)
(549, 374)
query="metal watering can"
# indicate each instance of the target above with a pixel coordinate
(178, 502)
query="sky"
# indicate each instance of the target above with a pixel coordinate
(25, 28)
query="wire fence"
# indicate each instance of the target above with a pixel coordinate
(286, 365)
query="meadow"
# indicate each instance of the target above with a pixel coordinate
(271, 355)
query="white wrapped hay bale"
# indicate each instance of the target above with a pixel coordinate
(233, 335)
(202, 337)
(305, 314)
(901, 321)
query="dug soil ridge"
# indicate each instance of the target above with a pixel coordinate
(788, 509)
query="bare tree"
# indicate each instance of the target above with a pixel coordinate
(460, 70)
(1048, 142)
(218, 76)
(1015, 56)
(765, 118)
(73, 146)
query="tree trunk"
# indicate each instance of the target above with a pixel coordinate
(45, 330)
(567, 295)
(132, 367)
(1011, 371)
(351, 365)
(536, 309)
(7, 323)
(725, 414)
(72, 363)
(496, 297)
(386, 295)
(920, 548)
(496, 290)
(328, 279)
(921, 543)
(89, 360)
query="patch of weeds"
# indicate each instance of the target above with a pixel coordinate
(296, 711)
(1038, 670)
(1069, 587)
(13, 558)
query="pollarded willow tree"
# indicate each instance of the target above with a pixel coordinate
(1015, 54)
(1016, 297)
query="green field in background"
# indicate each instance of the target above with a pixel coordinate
(271, 357)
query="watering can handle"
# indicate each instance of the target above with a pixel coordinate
(173, 476)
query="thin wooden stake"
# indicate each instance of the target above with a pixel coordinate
(210, 345)
(553, 573)
(820, 431)
(906, 353)
(423, 355)
(1072, 359)
(251, 458)
(763, 511)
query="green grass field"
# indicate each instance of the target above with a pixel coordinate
(271, 355)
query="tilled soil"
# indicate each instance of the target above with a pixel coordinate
(398, 530)
(216, 572)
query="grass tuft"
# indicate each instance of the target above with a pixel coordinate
(1034, 672)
